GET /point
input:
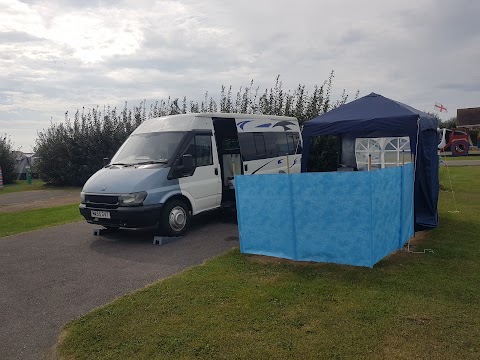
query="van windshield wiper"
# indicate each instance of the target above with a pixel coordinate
(162, 161)
(120, 164)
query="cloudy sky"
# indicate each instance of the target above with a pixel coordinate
(61, 55)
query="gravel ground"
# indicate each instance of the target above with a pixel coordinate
(51, 276)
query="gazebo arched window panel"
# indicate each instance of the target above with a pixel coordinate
(384, 152)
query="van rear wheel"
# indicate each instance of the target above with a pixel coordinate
(175, 218)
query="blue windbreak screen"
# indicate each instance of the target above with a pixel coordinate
(354, 218)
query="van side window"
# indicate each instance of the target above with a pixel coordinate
(298, 143)
(191, 149)
(294, 144)
(263, 145)
(282, 144)
(271, 144)
(200, 147)
(259, 145)
(247, 146)
(203, 150)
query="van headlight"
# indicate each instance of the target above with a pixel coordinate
(82, 197)
(134, 199)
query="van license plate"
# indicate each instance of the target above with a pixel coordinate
(100, 214)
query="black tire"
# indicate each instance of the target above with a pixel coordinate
(175, 218)
(460, 148)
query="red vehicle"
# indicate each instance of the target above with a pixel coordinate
(458, 142)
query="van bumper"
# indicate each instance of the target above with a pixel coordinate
(127, 216)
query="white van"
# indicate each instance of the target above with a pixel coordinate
(176, 166)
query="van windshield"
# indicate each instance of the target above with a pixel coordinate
(148, 148)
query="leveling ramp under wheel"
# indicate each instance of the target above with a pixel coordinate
(157, 239)
(104, 231)
(163, 240)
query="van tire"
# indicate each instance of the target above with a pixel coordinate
(175, 218)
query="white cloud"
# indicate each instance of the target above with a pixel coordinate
(92, 34)
(96, 36)
(61, 55)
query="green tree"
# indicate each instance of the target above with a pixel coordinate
(70, 152)
(324, 154)
(7, 159)
(448, 124)
(474, 136)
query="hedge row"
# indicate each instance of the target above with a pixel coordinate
(70, 152)
(7, 159)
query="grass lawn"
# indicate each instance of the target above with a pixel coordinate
(21, 185)
(22, 221)
(410, 305)
(456, 158)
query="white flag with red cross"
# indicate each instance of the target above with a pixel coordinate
(440, 108)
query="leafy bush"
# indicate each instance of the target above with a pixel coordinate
(70, 152)
(7, 159)
(447, 124)
(324, 153)
(474, 135)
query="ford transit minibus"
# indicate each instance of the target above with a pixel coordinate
(173, 167)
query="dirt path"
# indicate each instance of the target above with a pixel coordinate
(37, 199)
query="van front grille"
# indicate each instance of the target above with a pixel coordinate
(101, 201)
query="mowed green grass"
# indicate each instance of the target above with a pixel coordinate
(410, 305)
(22, 185)
(22, 221)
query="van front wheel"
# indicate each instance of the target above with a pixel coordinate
(175, 218)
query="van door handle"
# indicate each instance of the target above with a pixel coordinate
(216, 171)
(246, 167)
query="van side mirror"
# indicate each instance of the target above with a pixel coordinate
(187, 161)
(105, 161)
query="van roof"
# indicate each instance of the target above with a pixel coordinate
(245, 116)
(182, 122)
(229, 115)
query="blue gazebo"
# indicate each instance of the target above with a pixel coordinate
(376, 116)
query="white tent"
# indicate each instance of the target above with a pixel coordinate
(21, 162)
